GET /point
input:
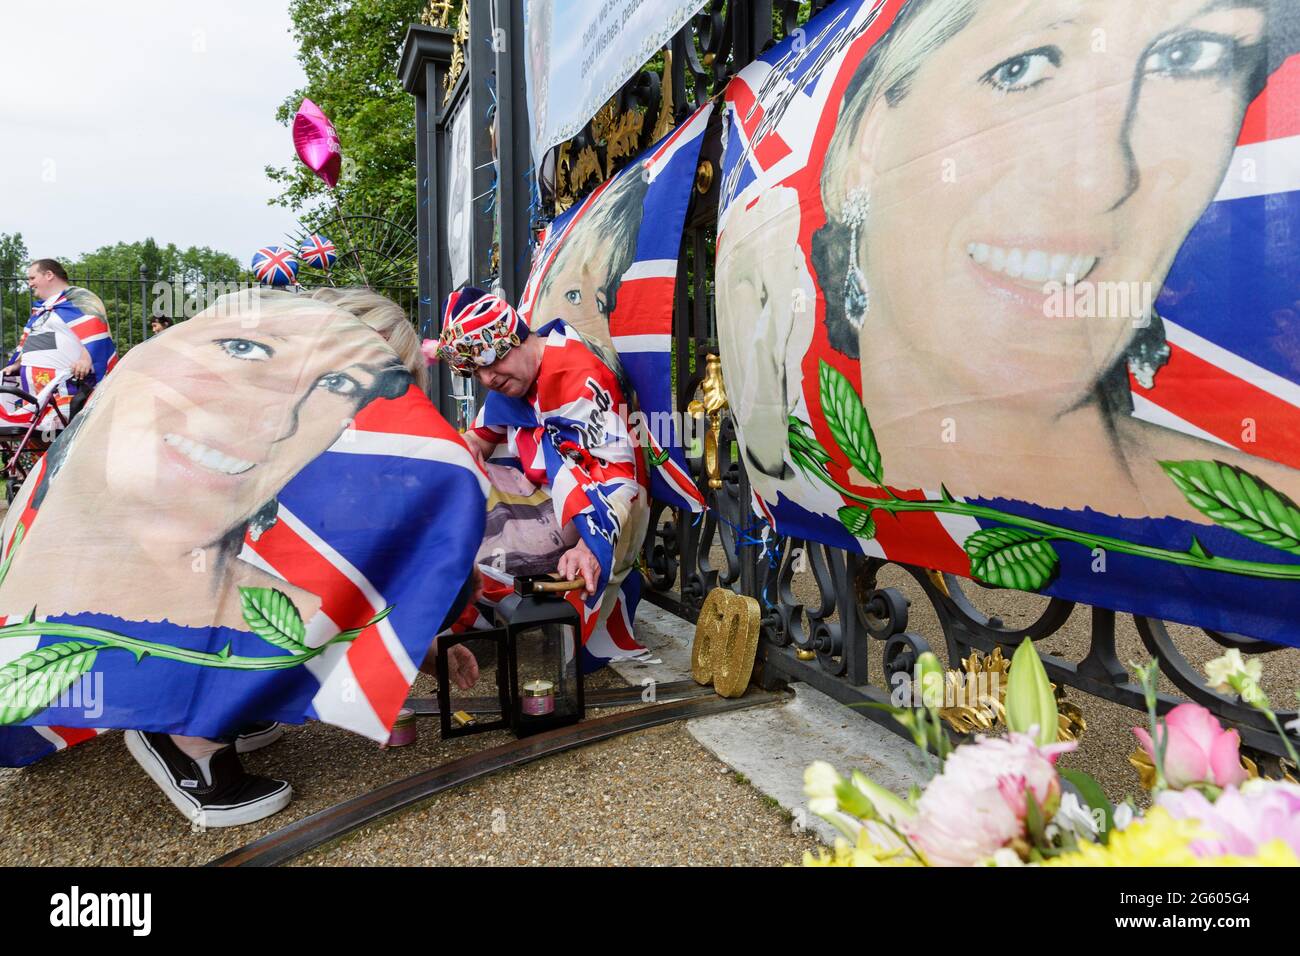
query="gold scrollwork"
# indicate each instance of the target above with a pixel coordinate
(458, 43)
(714, 403)
(665, 122)
(583, 167)
(624, 138)
(726, 642)
(979, 693)
(437, 14)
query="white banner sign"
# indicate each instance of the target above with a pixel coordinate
(584, 50)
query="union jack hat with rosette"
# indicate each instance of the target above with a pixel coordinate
(478, 328)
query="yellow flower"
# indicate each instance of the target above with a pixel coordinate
(865, 853)
(1160, 840)
(1156, 840)
(1273, 853)
(1231, 671)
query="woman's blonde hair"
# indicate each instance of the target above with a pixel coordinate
(386, 317)
(614, 217)
(920, 28)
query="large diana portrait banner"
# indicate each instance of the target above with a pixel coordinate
(1009, 289)
(258, 515)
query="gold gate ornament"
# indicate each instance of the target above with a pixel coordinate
(726, 641)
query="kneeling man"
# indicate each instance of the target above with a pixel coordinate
(571, 489)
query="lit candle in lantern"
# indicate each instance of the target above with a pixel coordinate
(538, 698)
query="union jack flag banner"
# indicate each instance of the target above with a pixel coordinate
(258, 516)
(317, 251)
(608, 267)
(1003, 299)
(275, 265)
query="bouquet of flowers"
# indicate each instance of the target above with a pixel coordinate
(1004, 802)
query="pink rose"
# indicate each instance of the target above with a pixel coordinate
(1197, 750)
(978, 804)
(1241, 820)
(429, 347)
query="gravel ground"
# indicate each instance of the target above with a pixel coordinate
(656, 797)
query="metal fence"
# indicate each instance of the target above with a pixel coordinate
(130, 303)
(827, 618)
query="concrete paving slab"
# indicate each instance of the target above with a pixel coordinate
(772, 746)
(668, 638)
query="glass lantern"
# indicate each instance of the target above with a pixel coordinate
(488, 705)
(545, 668)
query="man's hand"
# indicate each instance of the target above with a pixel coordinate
(579, 562)
(9, 369)
(82, 366)
(462, 666)
(478, 448)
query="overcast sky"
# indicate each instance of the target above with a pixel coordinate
(143, 118)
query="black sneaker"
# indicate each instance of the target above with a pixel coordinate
(213, 792)
(256, 736)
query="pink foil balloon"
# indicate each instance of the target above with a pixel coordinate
(317, 143)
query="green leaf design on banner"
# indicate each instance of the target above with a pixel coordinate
(1011, 558)
(802, 440)
(1238, 500)
(355, 632)
(13, 549)
(858, 522)
(848, 423)
(32, 682)
(272, 617)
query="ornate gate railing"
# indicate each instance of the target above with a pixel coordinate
(827, 618)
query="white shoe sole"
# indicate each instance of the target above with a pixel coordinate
(198, 815)
(246, 745)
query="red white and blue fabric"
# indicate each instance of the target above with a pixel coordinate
(571, 433)
(391, 514)
(84, 314)
(317, 251)
(1237, 272)
(478, 328)
(275, 265)
(642, 324)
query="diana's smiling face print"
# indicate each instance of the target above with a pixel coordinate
(1044, 140)
(205, 425)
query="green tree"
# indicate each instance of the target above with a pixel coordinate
(13, 255)
(152, 259)
(349, 52)
(123, 260)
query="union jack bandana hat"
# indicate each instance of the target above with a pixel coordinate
(478, 328)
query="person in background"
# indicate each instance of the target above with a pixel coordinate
(80, 310)
(159, 323)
